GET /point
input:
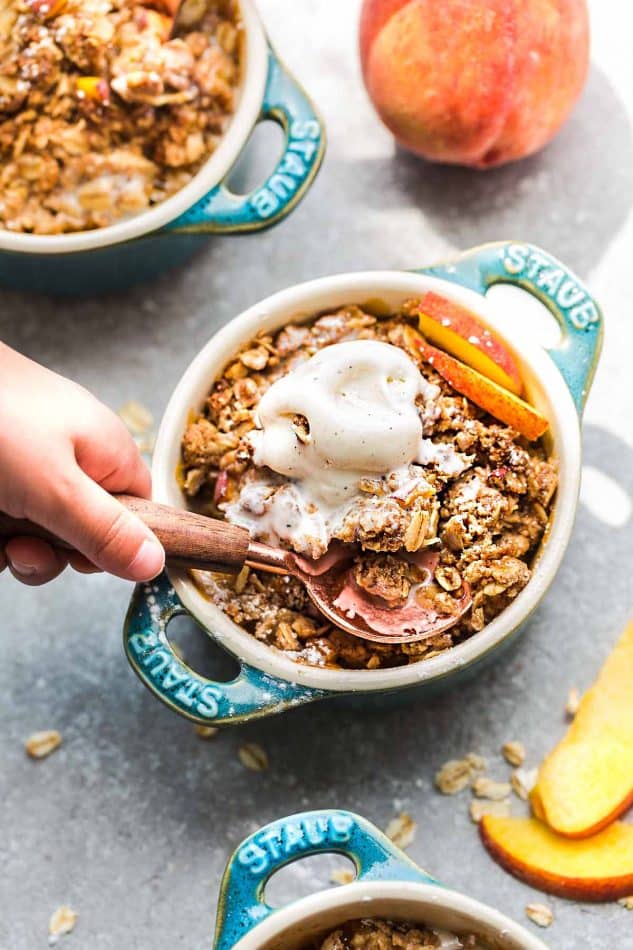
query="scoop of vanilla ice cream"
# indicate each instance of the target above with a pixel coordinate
(359, 399)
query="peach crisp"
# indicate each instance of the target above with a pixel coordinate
(103, 113)
(375, 934)
(347, 429)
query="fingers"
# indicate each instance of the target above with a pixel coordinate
(99, 527)
(81, 564)
(34, 562)
(110, 456)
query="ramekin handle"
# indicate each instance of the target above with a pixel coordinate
(564, 295)
(251, 695)
(222, 211)
(242, 903)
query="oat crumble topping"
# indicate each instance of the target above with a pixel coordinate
(484, 518)
(376, 934)
(102, 113)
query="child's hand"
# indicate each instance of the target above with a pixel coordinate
(61, 453)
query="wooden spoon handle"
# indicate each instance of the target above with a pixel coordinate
(189, 539)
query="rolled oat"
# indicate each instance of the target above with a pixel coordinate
(401, 830)
(136, 417)
(41, 744)
(513, 753)
(540, 914)
(253, 757)
(342, 876)
(206, 732)
(523, 781)
(484, 787)
(456, 774)
(62, 921)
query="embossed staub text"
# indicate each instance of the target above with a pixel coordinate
(553, 281)
(293, 170)
(294, 837)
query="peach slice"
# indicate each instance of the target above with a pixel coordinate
(595, 869)
(94, 87)
(460, 332)
(587, 780)
(47, 9)
(496, 400)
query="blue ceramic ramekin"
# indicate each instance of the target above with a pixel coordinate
(388, 885)
(557, 381)
(148, 244)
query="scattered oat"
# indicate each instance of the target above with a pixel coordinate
(253, 757)
(341, 876)
(484, 787)
(513, 753)
(136, 417)
(540, 914)
(401, 830)
(206, 732)
(573, 702)
(626, 902)
(523, 781)
(40, 744)
(456, 774)
(62, 922)
(146, 443)
(498, 809)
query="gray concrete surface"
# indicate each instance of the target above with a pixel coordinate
(131, 821)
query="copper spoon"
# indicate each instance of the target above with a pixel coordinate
(194, 541)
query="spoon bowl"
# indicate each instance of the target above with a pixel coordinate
(331, 585)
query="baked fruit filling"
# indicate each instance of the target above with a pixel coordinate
(352, 428)
(103, 112)
(374, 934)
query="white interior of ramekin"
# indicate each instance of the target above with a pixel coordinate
(251, 94)
(293, 927)
(545, 387)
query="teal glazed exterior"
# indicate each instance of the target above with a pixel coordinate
(256, 692)
(242, 905)
(118, 265)
(245, 920)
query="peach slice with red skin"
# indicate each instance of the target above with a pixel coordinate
(94, 87)
(461, 333)
(594, 869)
(47, 9)
(503, 405)
(587, 780)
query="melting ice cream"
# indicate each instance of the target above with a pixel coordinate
(359, 399)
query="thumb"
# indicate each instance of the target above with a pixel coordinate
(109, 535)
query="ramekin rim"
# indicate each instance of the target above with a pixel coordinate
(205, 365)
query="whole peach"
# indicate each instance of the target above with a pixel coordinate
(474, 82)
